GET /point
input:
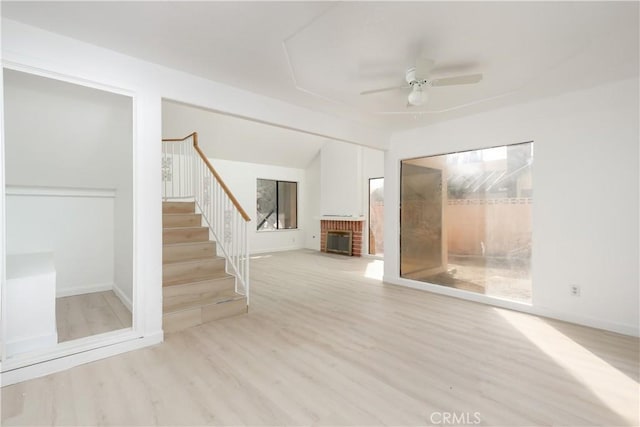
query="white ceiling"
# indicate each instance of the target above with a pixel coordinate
(230, 138)
(321, 55)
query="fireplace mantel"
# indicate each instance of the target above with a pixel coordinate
(341, 218)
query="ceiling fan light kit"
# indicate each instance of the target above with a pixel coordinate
(417, 96)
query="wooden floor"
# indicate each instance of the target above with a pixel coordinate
(83, 315)
(326, 343)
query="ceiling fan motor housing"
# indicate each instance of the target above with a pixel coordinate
(410, 77)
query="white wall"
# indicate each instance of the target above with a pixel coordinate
(77, 229)
(585, 210)
(123, 218)
(63, 135)
(344, 173)
(312, 203)
(69, 137)
(241, 178)
(340, 178)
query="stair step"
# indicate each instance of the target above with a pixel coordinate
(181, 220)
(196, 288)
(185, 234)
(185, 305)
(177, 252)
(182, 319)
(178, 207)
(178, 297)
(178, 273)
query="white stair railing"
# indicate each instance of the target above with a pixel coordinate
(188, 175)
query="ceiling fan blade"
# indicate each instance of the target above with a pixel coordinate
(458, 80)
(424, 67)
(369, 92)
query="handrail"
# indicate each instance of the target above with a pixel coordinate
(213, 172)
(193, 134)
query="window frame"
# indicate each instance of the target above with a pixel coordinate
(277, 181)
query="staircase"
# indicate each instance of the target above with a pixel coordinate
(195, 285)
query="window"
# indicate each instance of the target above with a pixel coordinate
(465, 220)
(277, 205)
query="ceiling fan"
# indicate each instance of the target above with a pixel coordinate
(418, 79)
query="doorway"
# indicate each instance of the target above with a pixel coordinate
(376, 216)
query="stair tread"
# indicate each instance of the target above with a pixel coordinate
(203, 278)
(203, 242)
(184, 228)
(194, 282)
(204, 257)
(180, 213)
(212, 285)
(198, 260)
(180, 302)
(204, 302)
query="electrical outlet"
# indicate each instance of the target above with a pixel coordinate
(574, 290)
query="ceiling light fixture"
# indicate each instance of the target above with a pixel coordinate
(417, 96)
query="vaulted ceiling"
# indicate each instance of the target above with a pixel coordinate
(232, 138)
(321, 55)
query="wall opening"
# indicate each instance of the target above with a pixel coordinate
(69, 212)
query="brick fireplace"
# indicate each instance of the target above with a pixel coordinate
(355, 226)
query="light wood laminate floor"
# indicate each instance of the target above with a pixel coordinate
(324, 344)
(83, 315)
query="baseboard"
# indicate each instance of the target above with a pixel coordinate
(66, 362)
(123, 297)
(631, 330)
(79, 290)
(619, 328)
